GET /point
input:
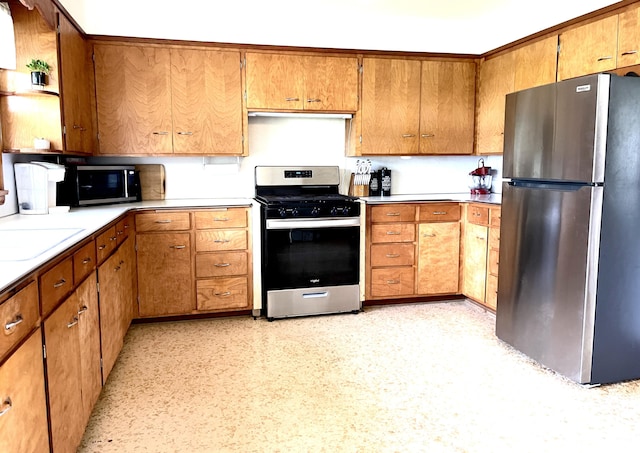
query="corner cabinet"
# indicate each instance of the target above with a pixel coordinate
(412, 107)
(154, 100)
(301, 82)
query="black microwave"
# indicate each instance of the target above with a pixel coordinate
(89, 185)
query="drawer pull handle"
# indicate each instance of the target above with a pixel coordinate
(72, 323)
(222, 264)
(83, 309)
(119, 232)
(314, 100)
(225, 294)
(291, 99)
(393, 214)
(393, 282)
(113, 238)
(221, 241)
(392, 255)
(480, 238)
(630, 52)
(609, 57)
(7, 406)
(439, 212)
(12, 324)
(117, 268)
(393, 233)
(160, 133)
(102, 247)
(179, 247)
(86, 260)
(408, 135)
(427, 235)
(164, 221)
(221, 219)
(185, 133)
(82, 129)
(59, 283)
(427, 135)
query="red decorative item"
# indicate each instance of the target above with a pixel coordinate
(480, 179)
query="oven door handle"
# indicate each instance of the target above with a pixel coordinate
(315, 295)
(288, 224)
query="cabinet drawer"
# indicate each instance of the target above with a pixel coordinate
(55, 284)
(221, 218)
(123, 228)
(439, 212)
(105, 244)
(393, 213)
(494, 238)
(393, 232)
(84, 261)
(493, 262)
(162, 221)
(494, 221)
(19, 315)
(478, 215)
(221, 264)
(392, 255)
(392, 282)
(492, 292)
(222, 293)
(217, 240)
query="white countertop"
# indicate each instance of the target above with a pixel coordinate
(493, 198)
(88, 220)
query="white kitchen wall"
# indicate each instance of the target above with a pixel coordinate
(287, 141)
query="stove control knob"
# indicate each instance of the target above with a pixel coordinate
(315, 211)
(333, 211)
(282, 212)
(294, 212)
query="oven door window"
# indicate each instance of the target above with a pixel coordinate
(302, 258)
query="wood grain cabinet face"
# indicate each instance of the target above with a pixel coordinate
(475, 261)
(18, 316)
(23, 398)
(629, 37)
(301, 82)
(588, 49)
(106, 243)
(55, 285)
(223, 293)
(535, 63)
(84, 261)
(163, 221)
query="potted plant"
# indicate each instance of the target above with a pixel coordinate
(39, 69)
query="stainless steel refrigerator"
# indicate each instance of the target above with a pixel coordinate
(569, 277)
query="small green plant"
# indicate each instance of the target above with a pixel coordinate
(39, 66)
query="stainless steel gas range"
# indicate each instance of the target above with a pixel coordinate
(310, 242)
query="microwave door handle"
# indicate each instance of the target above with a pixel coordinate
(126, 183)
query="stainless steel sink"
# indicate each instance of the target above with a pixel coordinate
(26, 244)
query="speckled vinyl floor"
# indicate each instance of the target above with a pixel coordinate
(402, 378)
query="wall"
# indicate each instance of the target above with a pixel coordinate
(286, 141)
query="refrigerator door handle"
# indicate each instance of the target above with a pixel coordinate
(547, 185)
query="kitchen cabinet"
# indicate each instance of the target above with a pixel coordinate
(116, 278)
(417, 107)
(23, 410)
(19, 314)
(55, 284)
(61, 112)
(164, 256)
(438, 263)
(496, 80)
(155, 100)
(588, 49)
(301, 82)
(536, 63)
(629, 37)
(491, 296)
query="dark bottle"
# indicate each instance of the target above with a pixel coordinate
(385, 181)
(374, 184)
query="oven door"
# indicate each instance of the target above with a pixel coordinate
(306, 253)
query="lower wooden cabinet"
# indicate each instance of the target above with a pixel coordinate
(475, 261)
(23, 408)
(438, 258)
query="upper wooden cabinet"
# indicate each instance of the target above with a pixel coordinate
(155, 100)
(536, 63)
(447, 105)
(301, 82)
(417, 107)
(588, 49)
(629, 37)
(61, 112)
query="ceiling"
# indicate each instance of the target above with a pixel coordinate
(448, 26)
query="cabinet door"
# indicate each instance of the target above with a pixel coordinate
(61, 332)
(133, 96)
(495, 82)
(111, 295)
(206, 97)
(274, 81)
(629, 37)
(164, 274)
(475, 261)
(76, 85)
(23, 404)
(89, 339)
(438, 258)
(536, 64)
(331, 83)
(447, 107)
(390, 106)
(588, 49)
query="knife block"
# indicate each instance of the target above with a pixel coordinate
(358, 190)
